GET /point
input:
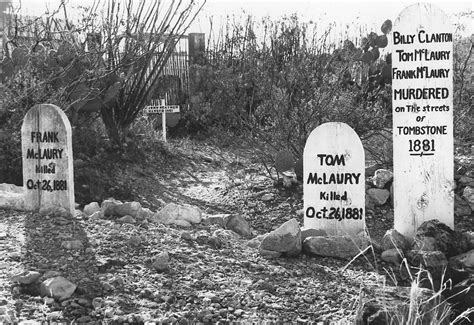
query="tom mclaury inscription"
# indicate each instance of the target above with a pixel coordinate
(334, 180)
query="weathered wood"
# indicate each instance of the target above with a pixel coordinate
(334, 180)
(48, 176)
(422, 71)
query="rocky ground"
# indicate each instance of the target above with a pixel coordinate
(134, 272)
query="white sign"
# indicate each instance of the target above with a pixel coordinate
(422, 94)
(46, 144)
(334, 180)
(158, 107)
(162, 109)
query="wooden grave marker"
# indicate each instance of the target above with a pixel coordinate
(334, 180)
(158, 107)
(422, 98)
(48, 177)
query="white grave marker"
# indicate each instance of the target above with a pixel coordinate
(334, 180)
(159, 107)
(422, 71)
(47, 158)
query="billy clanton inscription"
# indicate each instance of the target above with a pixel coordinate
(422, 94)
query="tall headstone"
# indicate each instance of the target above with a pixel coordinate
(47, 158)
(422, 94)
(334, 180)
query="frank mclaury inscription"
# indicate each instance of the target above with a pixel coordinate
(422, 94)
(334, 180)
(47, 158)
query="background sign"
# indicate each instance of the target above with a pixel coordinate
(422, 94)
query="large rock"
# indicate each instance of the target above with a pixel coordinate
(423, 243)
(238, 224)
(464, 261)
(382, 177)
(172, 212)
(461, 207)
(91, 208)
(285, 239)
(335, 246)
(394, 239)
(433, 261)
(123, 209)
(468, 195)
(379, 196)
(11, 197)
(448, 241)
(58, 287)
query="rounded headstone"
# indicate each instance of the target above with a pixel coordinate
(334, 180)
(47, 158)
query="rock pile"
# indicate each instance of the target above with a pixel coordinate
(442, 254)
(290, 240)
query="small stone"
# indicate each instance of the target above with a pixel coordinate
(382, 177)
(161, 262)
(186, 235)
(58, 288)
(268, 197)
(26, 277)
(238, 312)
(97, 302)
(392, 256)
(72, 244)
(182, 223)
(127, 219)
(378, 196)
(269, 254)
(238, 224)
(48, 301)
(91, 208)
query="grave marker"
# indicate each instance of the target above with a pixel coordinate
(334, 180)
(422, 73)
(159, 107)
(47, 158)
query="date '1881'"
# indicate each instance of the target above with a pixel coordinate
(47, 185)
(338, 214)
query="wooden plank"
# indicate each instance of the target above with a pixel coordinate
(334, 180)
(422, 94)
(48, 176)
